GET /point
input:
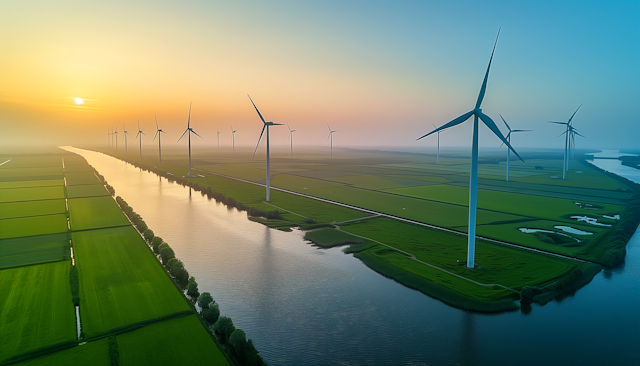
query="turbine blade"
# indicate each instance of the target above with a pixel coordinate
(574, 113)
(558, 123)
(505, 122)
(197, 134)
(562, 133)
(254, 106)
(492, 126)
(156, 135)
(157, 128)
(329, 128)
(189, 120)
(456, 121)
(260, 138)
(276, 124)
(483, 89)
(288, 127)
(579, 135)
(185, 131)
(521, 130)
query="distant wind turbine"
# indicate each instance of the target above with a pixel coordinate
(125, 139)
(438, 153)
(330, 137)
(158, 132)
(291, 138)
(265, 126)
(509, 139)
(189, 131)
(473, 183)
(116, 133)
(569, 133)
(233, 138)
(140, 133)
(218, 130)
(108, 137)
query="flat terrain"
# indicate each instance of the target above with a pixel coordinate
(33, 249)
(33, 225)
(94, 353)
(31, 208)
(87, 190)
(95, 212)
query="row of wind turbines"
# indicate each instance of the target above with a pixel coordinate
(477, 114)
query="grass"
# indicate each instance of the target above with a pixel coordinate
(32, 183)
(94, 353)
(33, 249)
(87, 190)
(31, 208)
(121, 283)
(181, 341)
(76, 178)
(35, 308)
(95, 212)
(31, 194)
(36, 225)
(327, 238)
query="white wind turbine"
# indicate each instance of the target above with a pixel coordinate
(264, 126)
(291, 138)
(330, 137)
(158, 132)
(116, 134)
(509, 139)
(140, 133)
(473, 183)
(108, 137)
(218, 130)
(569, 133)
(189, 131)
(125, 138)
(233, 139)
(438, 153)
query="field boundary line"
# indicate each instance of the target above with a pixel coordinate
(5, 162)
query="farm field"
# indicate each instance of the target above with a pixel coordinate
(87, 190)
(121, 283)
(31, 208)
(33, 249)
(34, 225)
(35, 308)
(158, 344)
(76, 178)
(31, 194)
(95, 353)
(32, 183)
(95, 212)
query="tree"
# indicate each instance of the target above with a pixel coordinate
(205, 300)
(223, 329)
(148, 235)
(211, 314)
(155, 243)
(166, 253)
(178, 271)
(192, 288)
(238, 343)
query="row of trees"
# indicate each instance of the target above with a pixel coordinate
(616, 247)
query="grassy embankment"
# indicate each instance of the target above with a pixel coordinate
(433, 194)
(122, 288)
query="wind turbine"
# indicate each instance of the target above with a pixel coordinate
(569, 136)
(233, 138)
(140, 133)
(158, 132)
(125, 138)
(189, 131)
(509, 139)
(108, 137)
(265, 126)
(291, 138)
(116, 133)
(473, 182)
(218, 130)
(330, 137)
(438, 154)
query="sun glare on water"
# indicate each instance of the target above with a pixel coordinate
(79, 101)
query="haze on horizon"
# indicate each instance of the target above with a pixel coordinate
(380, 73)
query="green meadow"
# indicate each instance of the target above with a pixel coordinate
(34, 225)
(94, 353)
(76, 178)
(31, 208)
(33, 249)
(87, 190)
(31, 194)
(121, 283)
(35, 308)
(95, 212)
(32, 183)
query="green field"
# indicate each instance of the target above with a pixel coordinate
(181, 341)
(95, 353)
(35, 225)
(87, 190)
(81, 178)
(33, 249)
(121, 283)
(31, 208)
(35, 308)
(31, 194)
(32, 183)
(95, 212)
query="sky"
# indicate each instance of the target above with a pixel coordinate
(381, 73)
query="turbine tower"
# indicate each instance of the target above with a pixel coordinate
(140, 133)
(291, 138)
(438, 153)
(330, 137)
(218, 130)
(509, 139)
(233, 138)
(473, 182)
(265, 126)
(189, 131)
(125, 138)
(116, 133)
(569, 133)
(158, 132)
(108, 137)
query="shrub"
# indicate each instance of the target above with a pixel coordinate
(309, 220)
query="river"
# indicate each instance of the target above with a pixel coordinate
(307, 306)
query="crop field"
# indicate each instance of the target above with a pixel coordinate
(35, 308)
(31, 208)
(33, 249)
(95, 353)
(87, 190)
(181, 341)
(35, 225)
(31, 194)
(121, 283)
(32, 183)
(81, 178)
(95, 212)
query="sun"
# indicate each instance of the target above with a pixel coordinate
(79, 101)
